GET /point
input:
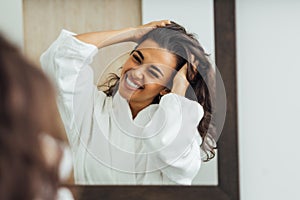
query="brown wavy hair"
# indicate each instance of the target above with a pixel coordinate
(177, 40)
(27, 108)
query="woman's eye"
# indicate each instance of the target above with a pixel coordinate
(153, 73)
(136, 58)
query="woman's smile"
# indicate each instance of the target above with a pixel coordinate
(132, 84)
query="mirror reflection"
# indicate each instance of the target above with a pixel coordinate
(144, 124)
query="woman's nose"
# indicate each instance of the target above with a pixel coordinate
(138, 73)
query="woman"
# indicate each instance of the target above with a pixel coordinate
(141, 130)
(33, 156)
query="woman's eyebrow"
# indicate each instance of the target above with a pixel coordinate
(157, 69)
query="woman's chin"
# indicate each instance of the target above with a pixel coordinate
(125, 91)
(125, 94)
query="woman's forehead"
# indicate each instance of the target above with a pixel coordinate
(152, 52)
(149, 43)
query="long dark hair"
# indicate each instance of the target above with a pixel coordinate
(27, 108)
(177, 40)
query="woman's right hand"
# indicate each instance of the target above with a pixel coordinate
(140, 31)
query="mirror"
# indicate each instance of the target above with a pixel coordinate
(227, 185)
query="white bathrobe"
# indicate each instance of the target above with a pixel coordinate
(160, 146)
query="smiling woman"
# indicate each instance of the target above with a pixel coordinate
(148, 127)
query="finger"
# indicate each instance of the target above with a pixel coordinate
(163, 23)
(166, 22)
(192, 58)
(194, 62)
(155, 24)
(183, 70)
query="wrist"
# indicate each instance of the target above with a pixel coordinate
(180, 88)
(129, 34)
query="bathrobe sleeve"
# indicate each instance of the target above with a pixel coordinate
(67, 63)
(177, 146)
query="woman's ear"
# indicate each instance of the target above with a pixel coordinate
(165, 91)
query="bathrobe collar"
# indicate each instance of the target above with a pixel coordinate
(150, 118)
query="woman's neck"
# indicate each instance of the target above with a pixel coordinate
(136, 107)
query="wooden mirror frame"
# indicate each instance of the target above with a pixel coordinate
(228, 173)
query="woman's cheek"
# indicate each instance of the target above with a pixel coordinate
(127, 66)
(155, 88)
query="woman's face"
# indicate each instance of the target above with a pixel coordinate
(146, 73)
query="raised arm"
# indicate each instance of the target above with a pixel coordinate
(105, 38)
(66, 62)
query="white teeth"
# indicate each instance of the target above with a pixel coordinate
(131, 84)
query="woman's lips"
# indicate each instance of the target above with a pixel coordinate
(132, 84)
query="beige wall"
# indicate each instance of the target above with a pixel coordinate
(43, 21)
